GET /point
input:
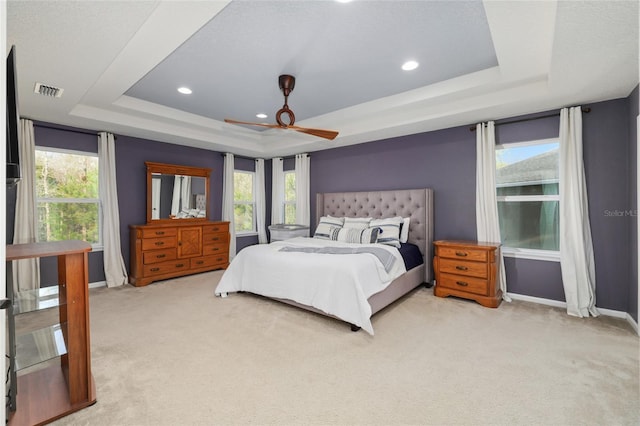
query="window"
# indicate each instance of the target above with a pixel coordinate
(244, 202)
(527, 180)
(289, 207)
(67, 196)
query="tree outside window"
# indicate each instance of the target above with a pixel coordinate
(244, 202)
(289, 197)
(67, 196)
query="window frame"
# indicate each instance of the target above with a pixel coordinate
(286, 203)
(528, 253)
(254, 231)
(98, 246)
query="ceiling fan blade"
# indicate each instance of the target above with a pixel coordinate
(227, 120)
(327, 134)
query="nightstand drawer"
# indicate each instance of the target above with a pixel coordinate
(473, 269)
(463, 253)
(466, 284)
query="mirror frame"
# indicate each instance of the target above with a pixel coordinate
(172, 169)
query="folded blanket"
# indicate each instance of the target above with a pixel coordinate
(386, 259)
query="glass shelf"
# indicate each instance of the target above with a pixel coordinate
(39, 345)
(35, 300)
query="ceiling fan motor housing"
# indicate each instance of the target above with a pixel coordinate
(287, 83)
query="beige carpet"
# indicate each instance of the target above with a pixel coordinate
(173, 354)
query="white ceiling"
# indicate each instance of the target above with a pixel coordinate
(120, 63)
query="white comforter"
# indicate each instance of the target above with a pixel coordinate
(338, 284)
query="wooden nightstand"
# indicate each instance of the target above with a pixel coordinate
(468, 269)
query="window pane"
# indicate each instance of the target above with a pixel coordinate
(530, 224)
(68, 221)
(290, 187)
(243, 217)
(242, 186)
(541, 189)
(290, 214)
(64, 175)
(519, 167)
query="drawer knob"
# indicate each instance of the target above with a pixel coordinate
(461, 268)
(461, 253)
(462, 283)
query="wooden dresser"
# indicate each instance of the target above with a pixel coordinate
(468, 269)
(169, 250)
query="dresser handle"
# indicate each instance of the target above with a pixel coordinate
(160, 256)
(462, 283)
(215, 239)
(461, 253)
(199, 262)
(179, 265)
(159, 243)
(159, 232)
(461, 268)
(220, 259)
(215, 249)
(154, 269)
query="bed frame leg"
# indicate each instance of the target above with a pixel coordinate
(354, 328)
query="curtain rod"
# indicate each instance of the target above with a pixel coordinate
(84, 132)
(251, 158)
(586, 110)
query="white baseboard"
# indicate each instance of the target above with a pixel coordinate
(98, 284)
(559, 304)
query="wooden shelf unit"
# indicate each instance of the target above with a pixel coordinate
(55, 391)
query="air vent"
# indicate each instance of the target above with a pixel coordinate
(46, 90)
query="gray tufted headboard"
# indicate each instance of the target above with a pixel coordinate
(414, 203)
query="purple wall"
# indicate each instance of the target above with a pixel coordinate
(445, 161)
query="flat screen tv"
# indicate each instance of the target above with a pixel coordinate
(13, 120)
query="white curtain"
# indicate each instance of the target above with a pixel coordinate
(175, 199)
(156, 188)
(115, 271)
(277, 190)
(26, 273)
(227, 202)
(576, 248)
(260, 202)
(302, 190)
(185, 193)
(488, 226)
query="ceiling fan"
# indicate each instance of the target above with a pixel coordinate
(287, 82)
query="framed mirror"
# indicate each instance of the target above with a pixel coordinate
(177, 192)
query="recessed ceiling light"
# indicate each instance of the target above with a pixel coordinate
(184, 90)
(261, 115)
(343, 1)
(410, 65)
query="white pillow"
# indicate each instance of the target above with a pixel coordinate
(357, 222)
(358, 236)
(404, 230)
(327, 226)
(389, 230)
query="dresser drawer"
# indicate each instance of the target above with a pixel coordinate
(224, 228)
(463, 253)
(157, 256)
(159, 232)
(213, 249)
(466, 284)
(215, 238)
(158, 243)
(165, 267)
(460, 267)
(207, 261)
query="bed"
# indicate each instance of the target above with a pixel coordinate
(285, 271)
